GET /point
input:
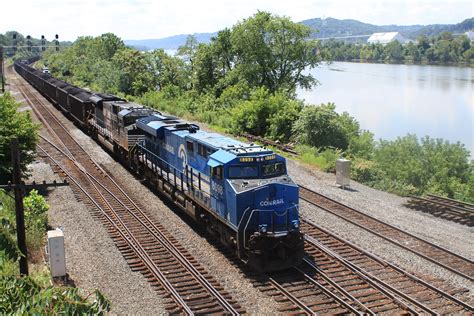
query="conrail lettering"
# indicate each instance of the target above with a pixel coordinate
(272, 203)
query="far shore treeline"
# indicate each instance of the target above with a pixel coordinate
(442, 49)
(245, 80)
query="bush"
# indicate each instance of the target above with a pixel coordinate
(36, 219)
(324, 160)
(425, 165)
(21, 295)
(320, 126)
(366, 171)
(14, 124)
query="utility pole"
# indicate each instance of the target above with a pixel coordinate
(19, 187)
(2, 69)
(20, 213)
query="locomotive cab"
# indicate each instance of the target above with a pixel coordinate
(253, 191)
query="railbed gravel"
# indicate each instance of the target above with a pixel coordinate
(382, 205)
(388, 208)
(230, 276)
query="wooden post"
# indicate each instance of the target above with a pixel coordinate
(20, 214)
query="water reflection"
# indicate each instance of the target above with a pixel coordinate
(393, 100)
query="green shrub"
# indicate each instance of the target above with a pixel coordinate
(366, 171)
(320, 126)
(21, 295)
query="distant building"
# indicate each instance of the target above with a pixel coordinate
(385, 38)
(470, 35)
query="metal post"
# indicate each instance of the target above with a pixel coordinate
(20, 216)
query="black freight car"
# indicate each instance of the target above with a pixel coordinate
(51, 87)
(81, 106)
(63, 93)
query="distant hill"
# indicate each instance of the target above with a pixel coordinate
(172, 42)
(322, 28)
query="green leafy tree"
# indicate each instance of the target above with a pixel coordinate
(135, 76)
(274, 52)
(394, 51)
(15, 124)
(320, 126)
(426, 165)
(167, 70)
(266, 114)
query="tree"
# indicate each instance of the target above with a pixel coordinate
(265, 113)
(274, 52)
(320, 126)
(14, 124)
(109, 44)
(427, 165)
(423, 43)
(135, 77)
(394, 51)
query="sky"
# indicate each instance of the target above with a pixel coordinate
(144, 19)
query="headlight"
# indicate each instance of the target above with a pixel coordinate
(296, 224)
(262, 228)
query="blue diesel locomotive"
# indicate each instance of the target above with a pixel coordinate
(240, 192)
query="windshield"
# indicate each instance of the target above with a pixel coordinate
(273, 169)
(243, 172)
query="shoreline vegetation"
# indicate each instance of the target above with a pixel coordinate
(245, 81)
(409, 63)
(443, 49)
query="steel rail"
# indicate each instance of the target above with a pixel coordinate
(291, 297)
(461, 210)
(40, 116)
(338, 288)
(152, 267)
(466, 204)
(398, 230)
(388, 264)
(159, 236)
(172, 249)
(373, 280)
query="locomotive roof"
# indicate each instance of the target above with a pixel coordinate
(226, 143)
(126, 105)
(153, 123)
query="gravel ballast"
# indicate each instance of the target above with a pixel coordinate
(388, 208)
(94, 262)
(230, 276)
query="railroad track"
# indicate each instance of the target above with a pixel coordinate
(267, 142)
(147, 246)
(420, 293)
(449, 209)
(323, 285)
(445, 258)
(314, 287)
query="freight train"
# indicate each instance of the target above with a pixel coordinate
(239, 192)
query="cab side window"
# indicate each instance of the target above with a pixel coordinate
(217, 172)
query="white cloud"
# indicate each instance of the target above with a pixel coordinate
(138, 19)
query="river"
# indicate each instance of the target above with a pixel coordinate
(393, 100)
